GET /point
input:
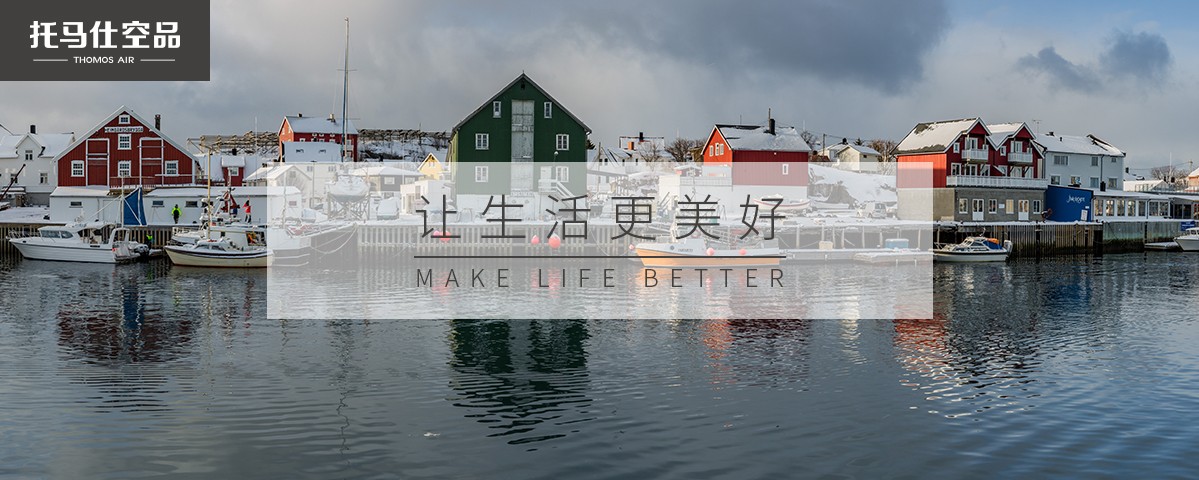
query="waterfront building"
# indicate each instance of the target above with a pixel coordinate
(435, 165)
(124, 150)
(309, 151)
(1084, 161)
(971, 171)
(35, 152)
(856, 158)
(496, 148)
(767, 154)
(299, 128)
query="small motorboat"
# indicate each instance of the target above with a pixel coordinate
(1190, 241)
(695, 253)
(81, 242)
(974, 249)
(779, 203)
(234, 249)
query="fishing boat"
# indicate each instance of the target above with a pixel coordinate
(974, 249)
(235, 248)
(781, 204)
(696, 253)
(81, 242)
(1190, 241)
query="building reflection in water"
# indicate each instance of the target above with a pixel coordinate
(772, 353)
(525, 379)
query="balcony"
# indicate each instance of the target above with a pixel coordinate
(995, 182)
(974, 155)
(1019, 158)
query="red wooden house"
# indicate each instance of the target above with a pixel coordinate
(125, 150)
(313, 129)
(760, 155)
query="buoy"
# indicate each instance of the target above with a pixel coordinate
(445, 237)
(631, 247)
(555, 242)
(711, 251)
(742, 251)
(536, 240)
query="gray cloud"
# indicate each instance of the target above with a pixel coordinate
(1142, 57)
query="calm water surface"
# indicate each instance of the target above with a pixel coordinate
(1086, 367)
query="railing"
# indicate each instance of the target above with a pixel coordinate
(705, 181)
(1019, 157)
(997, 182)
(974, 155)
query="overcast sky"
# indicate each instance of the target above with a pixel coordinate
(871, 69)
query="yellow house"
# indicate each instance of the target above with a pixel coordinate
(434, 167)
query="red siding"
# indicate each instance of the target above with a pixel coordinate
(287, 135)
(913, 170)
(234, 180)
(148, 154)
(716, 142)
(765, 168)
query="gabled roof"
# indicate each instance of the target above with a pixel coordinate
(486, 105)
(272, 172)
(936, 137)
(1088, 145)
(838, 148)
(51, 143)
(1001, 132)
(123, 109)
(758, 138)
(318, 125)
(1194, 173)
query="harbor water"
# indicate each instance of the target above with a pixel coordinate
(1080, 366)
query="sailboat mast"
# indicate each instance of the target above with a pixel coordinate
(345, 91)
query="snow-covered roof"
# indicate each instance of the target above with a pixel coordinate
(233, 161)
(934, 137)
(8, 145)
(1000, 132)
(311, 152)
(1088, 145)
(384, 171)
(758, 138)
(88, 191)
(834, 150)
(119, 111)
(51, 143)
(1194, 173)
(329, 125)
(1142, 185)
(272, 172)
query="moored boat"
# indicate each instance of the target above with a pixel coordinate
(1190, 241)
(81, 242)
(234, 247)
(695, 253)
(974, 249)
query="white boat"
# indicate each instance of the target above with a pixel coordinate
(974, 249)
(235, 248)
(894, 251)
(695, 253)
(1190, 241)
(782, 204)
(81, 242)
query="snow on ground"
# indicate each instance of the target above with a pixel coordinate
(863, 187)
(25, 215)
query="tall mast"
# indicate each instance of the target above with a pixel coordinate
(345, 91)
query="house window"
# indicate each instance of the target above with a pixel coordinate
(44, 178)
(719, 149)
(1002, 151)
(971, 143)
(123, 120)
(1061, 160)
(1113, 160)
(125, 141)
(191, 204)
(562, 173)
(76, 204)
(957, 148)
(1055, 179)
(548, 110)
(234, 171)
(1009, 204)
(1075, 180)
(563, 141)
(482, 141)
(786, 169)
(156, 204)
(963, 205)
(497, 108)
(1094, 182)
(1017, 146)
(481, 174)
(1094, 161)
(1036, 206)
(992, 206)
(955, 169)
(978, 205)
(77, 168)
(171, 168)
(389, 181)
(1023, 204)
(1111, 182)
(28, 155)
(124, 168)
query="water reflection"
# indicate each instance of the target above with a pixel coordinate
(763, 352)
(527, 380)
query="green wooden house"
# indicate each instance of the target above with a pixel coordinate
(519, 128)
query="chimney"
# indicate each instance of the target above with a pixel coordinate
(158, 121)
(332, 118)
(1051, 133)
(301, 115)
(33, 129)
(771, 127)
(640, 137)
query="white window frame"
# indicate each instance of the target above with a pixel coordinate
(43, 178)
(971, 143)
(497, 109)
(389, 180)
(170, 167)
(125, 141)
(123, 120)
(1036, 206)
(955, 169)
(234, 171)
(482, 174)
(1022, 205)
(992, 206)
(28, 155)
(562, 173)
(963, 205)
(1061, 160)
(562, 142)
(1017, 146)
(482, 141)
(719, 149)
(1055, 179)
(77, 169)
(1095, 182)
(1111, 183)
(1094, 161)
(1075, 180)
(124, 169)
(1003, 151)
(547, 110)
(957, 147)
(786, 169)
(977, 204)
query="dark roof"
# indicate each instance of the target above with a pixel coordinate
(525, 78)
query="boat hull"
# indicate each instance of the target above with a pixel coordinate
(721, 259)
(62, 253)
(970, 257)
(1188, 244)
(186, 257)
